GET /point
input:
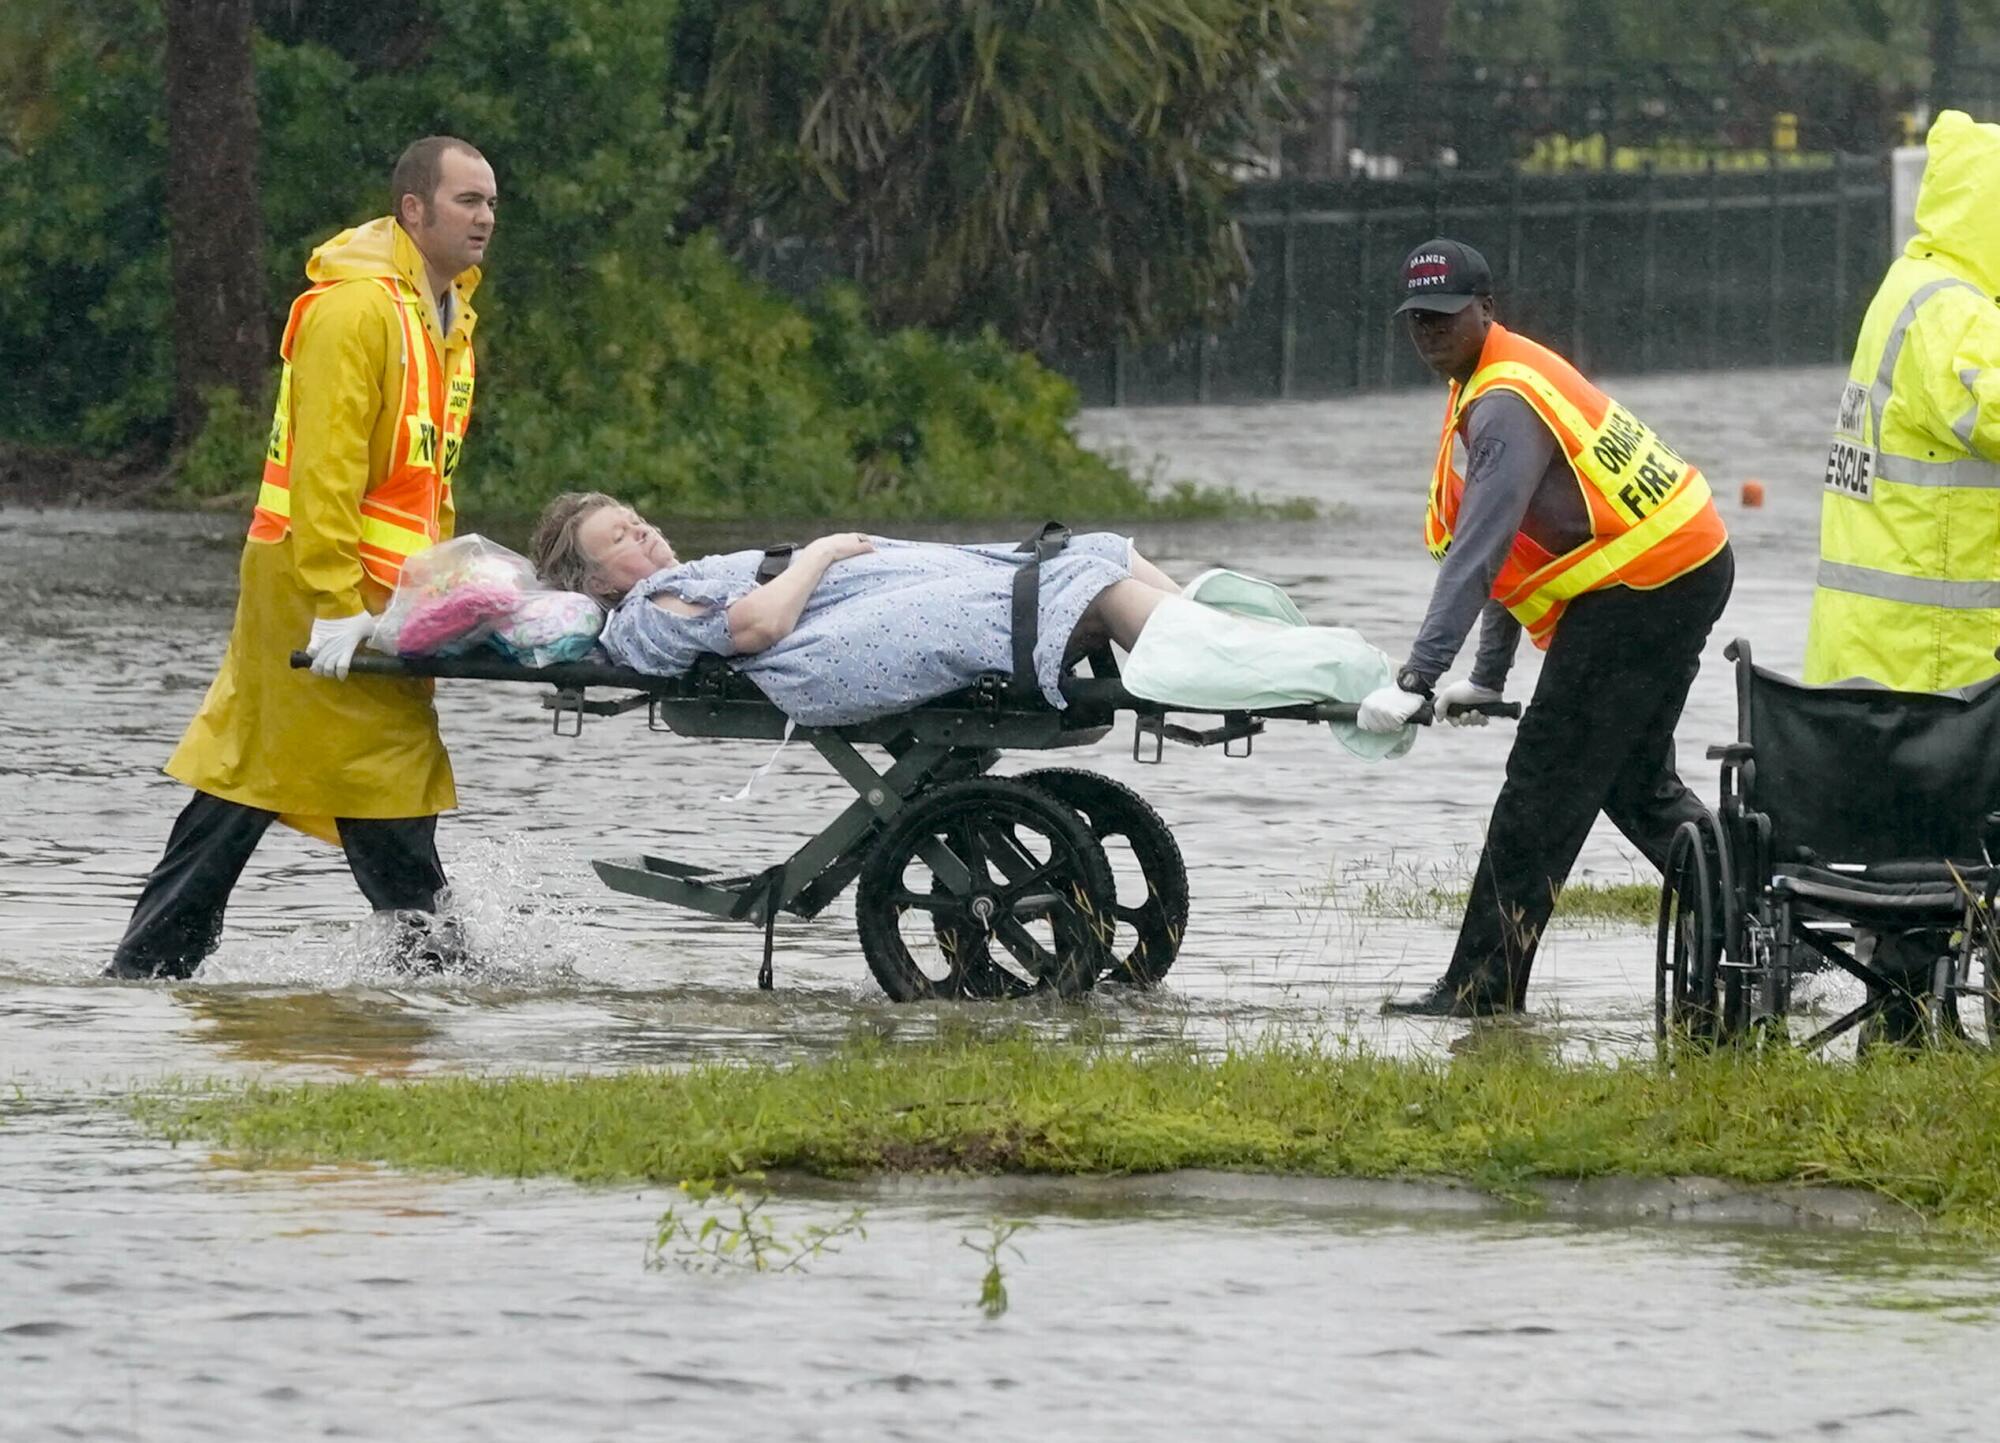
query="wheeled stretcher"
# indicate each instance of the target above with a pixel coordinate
(967, 886)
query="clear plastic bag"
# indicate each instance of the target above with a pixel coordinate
(469, 592)
(550, 626)
(452, 596)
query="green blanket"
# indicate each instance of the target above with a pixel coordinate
(1236, 643)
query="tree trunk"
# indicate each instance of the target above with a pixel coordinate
(213, 215)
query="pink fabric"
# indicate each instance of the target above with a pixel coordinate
(458, 613)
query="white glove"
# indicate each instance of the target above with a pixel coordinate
(1455, 697)
(334, 643)
(1387, 709)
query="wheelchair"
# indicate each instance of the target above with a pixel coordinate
(1856, 829)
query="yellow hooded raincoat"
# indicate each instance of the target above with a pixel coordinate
(308, 747)
(1908, 589)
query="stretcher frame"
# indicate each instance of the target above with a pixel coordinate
(953, 739)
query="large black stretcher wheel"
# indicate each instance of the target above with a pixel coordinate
(1152, 908)
(985, 888)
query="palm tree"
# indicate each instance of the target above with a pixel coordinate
(1059, 171)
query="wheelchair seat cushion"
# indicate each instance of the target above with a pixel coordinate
(1899, 890)
(1929, 869)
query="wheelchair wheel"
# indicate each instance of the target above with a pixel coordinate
(985, 889)
(1151, 900)
(1983, 980)
(1982, 971)
(1990, 996)
(1688, 1000)
(1729, 936)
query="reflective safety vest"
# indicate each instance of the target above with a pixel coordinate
(1651, 516)
(1908, 589)
(400, 511)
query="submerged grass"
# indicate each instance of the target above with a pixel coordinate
(1922, 1130)
(1436, 892)
(1623, 903)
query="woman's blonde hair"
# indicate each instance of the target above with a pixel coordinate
(559, 557)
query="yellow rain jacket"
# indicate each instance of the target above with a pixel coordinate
(1908, 591)
(308, 747)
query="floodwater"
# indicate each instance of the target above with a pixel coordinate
(149, 1292)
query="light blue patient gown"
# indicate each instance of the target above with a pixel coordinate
(904, 624)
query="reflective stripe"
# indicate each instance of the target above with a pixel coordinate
(1885, 374)
(1621, 551)
(1968, 471)
(278, 446)
(1578, 426)
(377, 507)
(388, 536)
(1964, 426)
(1910, 590)
(416, 354)
(275, 499)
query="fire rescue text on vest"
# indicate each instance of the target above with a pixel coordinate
(1619, 441)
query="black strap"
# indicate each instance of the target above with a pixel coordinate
(772, 891)
(1046, 542)
(776, 559)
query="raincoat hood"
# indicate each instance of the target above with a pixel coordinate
(379, 248)
(1958, 204)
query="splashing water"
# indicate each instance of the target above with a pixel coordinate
(513, 903)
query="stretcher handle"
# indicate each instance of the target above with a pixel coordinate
(491, 667)
(1347, 711)
(1506, 710)
(372, 662)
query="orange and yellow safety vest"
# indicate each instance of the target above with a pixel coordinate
(400, 512)
(1651, 516)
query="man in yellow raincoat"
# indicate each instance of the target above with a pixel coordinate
(1908, 591)
(373, 404)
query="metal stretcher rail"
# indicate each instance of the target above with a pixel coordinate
(1096, 696)
(1093, 701)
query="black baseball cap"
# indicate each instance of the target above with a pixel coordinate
(1444, 275)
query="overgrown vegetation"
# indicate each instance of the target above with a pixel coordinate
(624, 345)
(1922, 1130)
(1060, 175)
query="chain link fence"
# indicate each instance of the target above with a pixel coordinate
(1622, 272)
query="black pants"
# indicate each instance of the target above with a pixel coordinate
(178, 919)
(1598, 737)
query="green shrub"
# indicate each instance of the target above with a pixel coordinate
(614, 352)
(227, 458)
(85, 340)
(1060, 173)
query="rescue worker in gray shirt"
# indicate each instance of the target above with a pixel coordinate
(1574, 521)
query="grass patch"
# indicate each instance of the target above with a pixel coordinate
(1627, 903)
(1922, 1130)
(1436, 892)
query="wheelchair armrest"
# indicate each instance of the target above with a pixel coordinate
(1733, 752)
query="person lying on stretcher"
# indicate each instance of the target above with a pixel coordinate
(859, 626)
